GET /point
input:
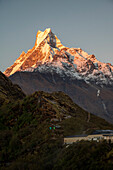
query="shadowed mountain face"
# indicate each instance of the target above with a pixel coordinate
(95, 99)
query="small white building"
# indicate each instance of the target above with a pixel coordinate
(97, 136)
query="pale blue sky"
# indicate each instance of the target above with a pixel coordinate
(87, 24)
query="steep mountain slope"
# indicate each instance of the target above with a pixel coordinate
(26, 140)
(50, 66)
(9, 91)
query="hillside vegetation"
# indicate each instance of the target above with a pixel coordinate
(27, 142)
(8, 91)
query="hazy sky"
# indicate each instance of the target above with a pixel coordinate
(87, 24)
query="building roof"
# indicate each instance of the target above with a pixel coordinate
(83, 135)
(102, 132)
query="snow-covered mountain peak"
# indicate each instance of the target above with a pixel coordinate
(48, 54)
(41, 36)
(48, 37)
